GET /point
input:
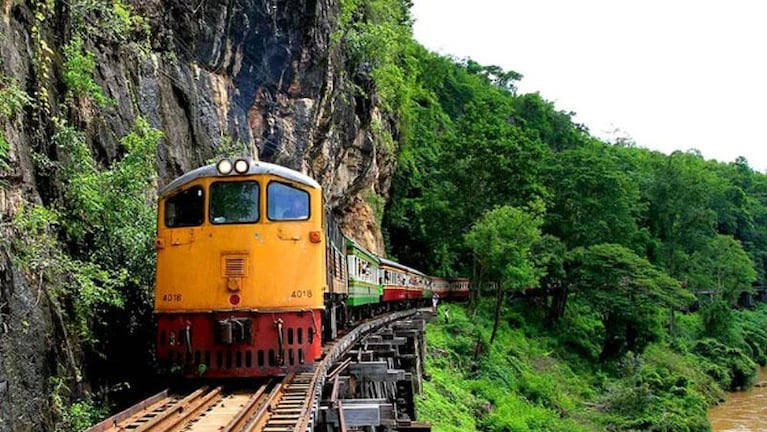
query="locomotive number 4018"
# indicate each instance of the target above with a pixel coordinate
(301, 293)
(171, 297)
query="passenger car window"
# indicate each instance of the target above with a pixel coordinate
(185, 208)
(286, 202)
(234, 202)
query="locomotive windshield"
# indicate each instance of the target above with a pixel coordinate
(234, 202)
(185, 209)
(286, 202)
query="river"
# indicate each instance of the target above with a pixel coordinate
(742, 411)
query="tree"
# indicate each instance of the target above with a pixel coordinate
(627, 291)
(680, 213)
(501, 241)
(593, 199)
(723, 266)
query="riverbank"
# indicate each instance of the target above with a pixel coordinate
(539, 376)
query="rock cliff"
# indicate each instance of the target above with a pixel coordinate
(261, 77)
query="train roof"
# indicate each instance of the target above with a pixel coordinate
(355, 245)
(256, 167)
(395, 264)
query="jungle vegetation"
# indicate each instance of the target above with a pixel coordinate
(615, 275)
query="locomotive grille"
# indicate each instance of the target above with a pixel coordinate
(235, 267)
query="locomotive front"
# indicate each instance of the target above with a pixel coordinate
(240, 271)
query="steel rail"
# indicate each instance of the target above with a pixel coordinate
(240, 420)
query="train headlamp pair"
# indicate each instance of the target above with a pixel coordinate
(225, 166)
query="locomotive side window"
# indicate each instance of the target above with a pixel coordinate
(185, 209)
(285, 202)
(234, 202)
(352, 266)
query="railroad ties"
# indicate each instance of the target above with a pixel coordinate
(375, 382)
(204, 409)
(367, 378)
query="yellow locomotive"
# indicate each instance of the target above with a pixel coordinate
(240, 270)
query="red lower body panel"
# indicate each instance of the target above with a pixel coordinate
(459, 295)
(392, 293)
(414, 294)
(239, 343)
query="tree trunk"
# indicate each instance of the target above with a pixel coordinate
(477, 292)
(498, 308)
(558, 302)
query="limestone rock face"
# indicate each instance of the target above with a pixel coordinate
(258, 76)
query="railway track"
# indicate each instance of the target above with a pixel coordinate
(203, 409)
(281, 404)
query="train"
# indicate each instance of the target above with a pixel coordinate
(253, 273)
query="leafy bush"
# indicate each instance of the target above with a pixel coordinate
(114, 21)
(79, 66)
(12, 101)
(731, 367)
(79, 415)
(659, 391)
(377, 39)
(13, 98)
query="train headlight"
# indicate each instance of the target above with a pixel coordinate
(241, 166)
(224, 166)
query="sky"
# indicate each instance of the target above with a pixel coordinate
(671, 75)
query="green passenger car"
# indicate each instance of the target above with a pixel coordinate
(364, 285)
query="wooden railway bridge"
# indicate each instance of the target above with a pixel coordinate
(367, 379)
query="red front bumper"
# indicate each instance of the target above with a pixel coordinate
(239, 344)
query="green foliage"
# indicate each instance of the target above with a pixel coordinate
(376, 203)
(78, 415)
(637, 220)
(729, 366)
(658, 391)
(5, 150)
(229, 148)
(78, 69)
(514, 385)
(38, 248)
(13, 99)
(462, 140)
(580, 332)
(501, 241)
(532, 379)
(82, 288)
(376, 35)
(108, 215)
(679, 212)
(595, 201)
(113, 21)
(717, 318)
(627, 291)
(111, 212)
(723, 266)
(551, 126)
